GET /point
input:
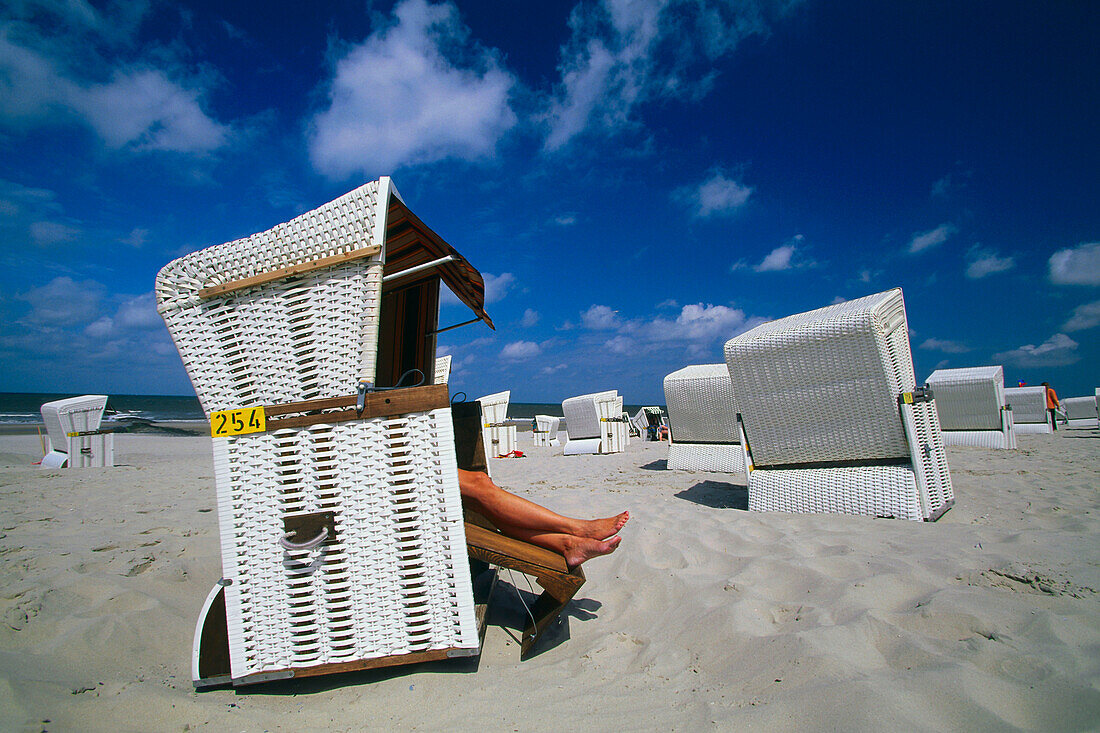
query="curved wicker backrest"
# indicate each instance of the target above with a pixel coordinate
(824, 384)
(1080, 408)
(1029, 404)
(970, 398)
(72, 414)
(494, 407)
(442, 370)
(582, 416)
(701, 405)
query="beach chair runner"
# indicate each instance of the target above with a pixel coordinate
(702, 416)
(1029, 410)
(970, 404)
(340, 518)
(836, 422)
(1081, 412)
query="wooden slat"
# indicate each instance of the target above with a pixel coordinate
(377, 404)
(495, 548)
(266, 277)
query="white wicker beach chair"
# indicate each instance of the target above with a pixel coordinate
(836, 423)
(702, 415)
(1081, 412)
(341, 524)
(646, 422)
(500, 436)
(593, 423)
(76, 440)
(970, 403)
(545, 432)
(1029, 409)
(442, 369)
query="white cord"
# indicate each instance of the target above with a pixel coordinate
(519, 595)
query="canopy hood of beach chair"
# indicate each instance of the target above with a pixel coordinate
(410, 242)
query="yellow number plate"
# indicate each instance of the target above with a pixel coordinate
(237, 422)
(907, 397)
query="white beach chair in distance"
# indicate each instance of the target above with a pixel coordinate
(1081, 412)
(342, 536)
(545, 432)
(1029, 409)
(593, 423)
(646, 421)
(702, 416)
(442, 369)
(970, 403)
(73, 428)
(835, 422)
(500, 436)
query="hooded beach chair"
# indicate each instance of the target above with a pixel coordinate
(73, 428)
(545, 432)
(1080, 412)
(702, 416)
(442, 369)
(1029, 409)
(594, 423)
(970, 404)
(646, 422)
(342, 534)
(500, 435)
(836, 422)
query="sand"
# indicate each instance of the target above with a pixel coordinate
(708, 617)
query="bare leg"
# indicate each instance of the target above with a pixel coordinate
(506, 509)
(575, 549)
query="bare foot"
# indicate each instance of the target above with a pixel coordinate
(579, 549)
(601, 529)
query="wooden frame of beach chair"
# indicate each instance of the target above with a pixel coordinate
(500, 435)
(343, 544)
(836, 422)
(702, 416)
(1081, 412)
(970, 404)
(593, 423)
(75, 437)
(1029, 410)
(545, 432)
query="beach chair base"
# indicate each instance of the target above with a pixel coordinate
(1081, 423)
(980, 439)
(559, 582)
(210, 661)
(720, 458)
(582, 446)
(1034, 428)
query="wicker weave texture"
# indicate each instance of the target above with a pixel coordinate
(970, 398)
(1034, 428)
(929, 457)
(582, 418)
(393, 581)
(1029, 404)
(286, 340)
(824, 384)
(1082, 423)
(1080, 408)
(977, 438)
(875, 491)
(701, 404)
(442, 370)
(72, 414)
(727, 458)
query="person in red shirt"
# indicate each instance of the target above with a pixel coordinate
(1052, 405)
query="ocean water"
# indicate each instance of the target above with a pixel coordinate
(23, 407)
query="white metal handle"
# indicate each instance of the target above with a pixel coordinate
(285, 542)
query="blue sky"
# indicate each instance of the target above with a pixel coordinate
(638, 181)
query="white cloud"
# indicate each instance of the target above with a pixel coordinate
(720, 195)
(1058, 350)
(398, 99)
(933, 238)
(985, 262)
(497, 286)
(1084, 317)
(64, 301)
(1078, 265)
(565, 220)
(625, 53)
(620, 345)
(776, 260)
(52, 232)
(139, 313)
(699, 322)
(600, 318)
(947, 347)
(136, 238)
(520, 351)
(530, 318)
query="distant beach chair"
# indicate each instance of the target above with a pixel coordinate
(970, 403)
(442, 369)
(836, 422)
(702, 416)
(73, 428)
(1029, 409)
(1081, 412)
(594, 423)
(500, 436)
(343, 545)
(546, 429)
(646, 422)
